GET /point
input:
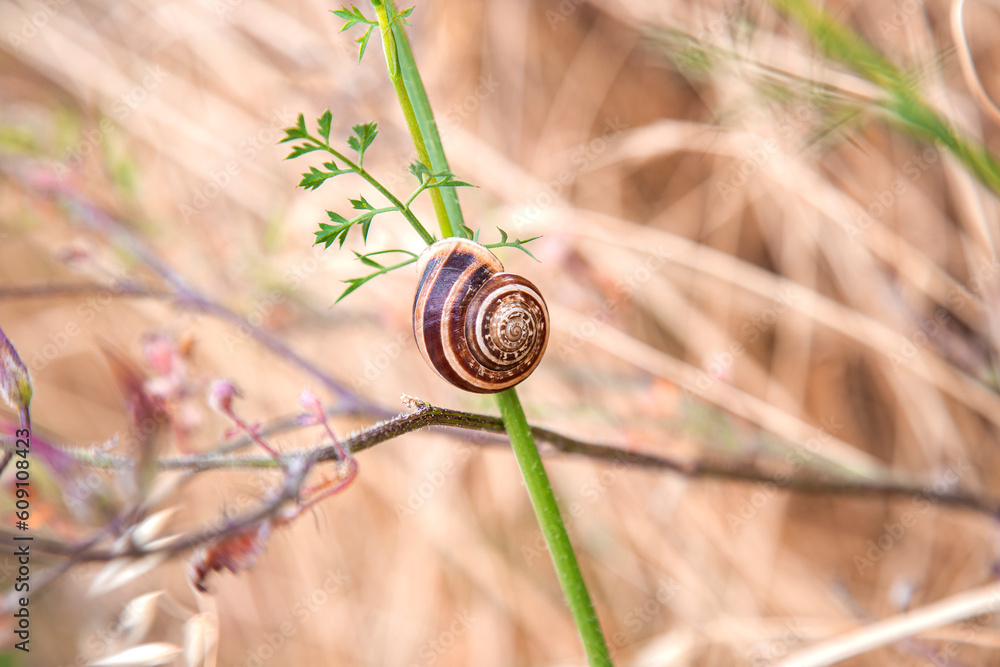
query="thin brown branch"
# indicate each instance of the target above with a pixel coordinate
(299, 465)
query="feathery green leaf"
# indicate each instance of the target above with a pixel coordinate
(323, 123)
(352, 17)
(297, 132)
(516, 243)
(302, 149)
(364, 135)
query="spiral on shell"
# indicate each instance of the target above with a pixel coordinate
(481, 329)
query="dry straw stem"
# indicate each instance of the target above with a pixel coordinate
(983, 600)
(964, 53)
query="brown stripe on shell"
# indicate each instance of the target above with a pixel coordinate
(456, 275)
(456, 356)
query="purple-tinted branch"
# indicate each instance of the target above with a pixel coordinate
(299, 464)
(96, 219)
(67, 290)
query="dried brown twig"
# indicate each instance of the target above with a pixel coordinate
(298, 465)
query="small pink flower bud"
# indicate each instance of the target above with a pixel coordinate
(220, 396)
(313, 406)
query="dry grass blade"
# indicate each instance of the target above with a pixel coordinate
(984, 600)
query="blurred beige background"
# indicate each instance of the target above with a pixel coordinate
(741, 258)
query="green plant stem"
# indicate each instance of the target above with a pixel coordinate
(553, 528)
(397, 47)
(428, 126)
(423, 129)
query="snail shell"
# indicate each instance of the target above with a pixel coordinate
(481, 329)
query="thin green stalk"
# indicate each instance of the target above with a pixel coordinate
(428, 127)
(423, 129)
(547, 510)
(389, 27)
(904, 102)
(363, 173)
